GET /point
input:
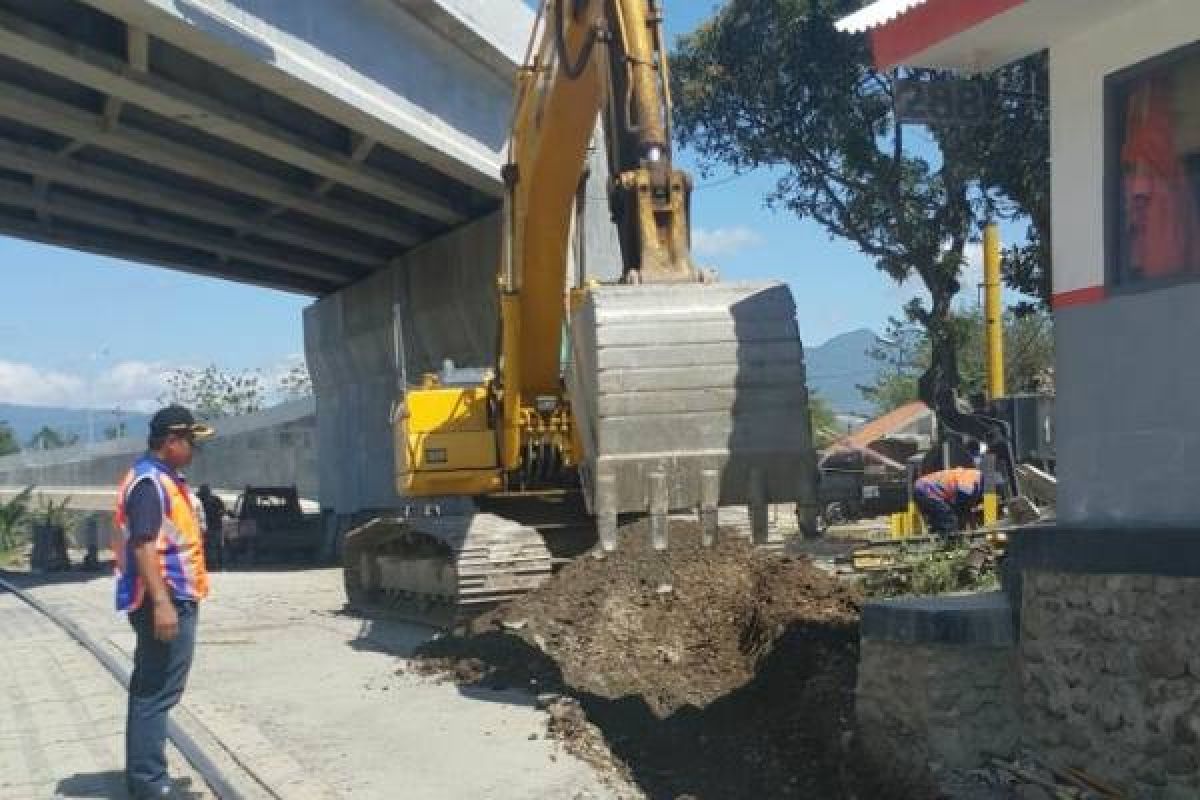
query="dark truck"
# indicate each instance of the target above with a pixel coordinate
(860, 484)
(268, 524)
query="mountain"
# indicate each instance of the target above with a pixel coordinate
(839, 366)
(25, 421)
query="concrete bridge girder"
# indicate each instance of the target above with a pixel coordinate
(326, 140)
(448, 105)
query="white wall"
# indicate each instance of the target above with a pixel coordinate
(1078, 66)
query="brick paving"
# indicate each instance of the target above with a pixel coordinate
(62, 716)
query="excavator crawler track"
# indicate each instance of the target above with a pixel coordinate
(441, 570)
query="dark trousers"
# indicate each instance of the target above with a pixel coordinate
(160, 671)
(940, 517)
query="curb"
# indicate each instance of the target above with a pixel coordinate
(183, 728)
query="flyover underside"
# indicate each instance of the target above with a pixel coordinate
(129, 130)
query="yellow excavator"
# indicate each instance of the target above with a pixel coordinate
(677, 392)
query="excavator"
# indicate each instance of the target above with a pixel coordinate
(675, 392)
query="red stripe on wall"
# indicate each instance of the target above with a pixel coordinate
(928, 24)
(1077, 297)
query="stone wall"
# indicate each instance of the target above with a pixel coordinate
(923, 707)
(1110, 677)
(937, 684)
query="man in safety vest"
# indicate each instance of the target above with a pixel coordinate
(944, 497)
(161, 577)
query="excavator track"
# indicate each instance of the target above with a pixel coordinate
(441, 570)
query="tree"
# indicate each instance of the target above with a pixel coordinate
(1013, 155)
(212, 392)
(296, 382)
(824, 421)
(12, 514)
(905, 352)
(48, 438)
(8, 440)
(771, 83)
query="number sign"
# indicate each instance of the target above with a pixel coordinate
(946, 101)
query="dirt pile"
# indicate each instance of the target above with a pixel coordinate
(710, 673)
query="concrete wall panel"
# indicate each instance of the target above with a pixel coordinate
(1128, 428)
(274, 447)
(432, 78)
(445, 295)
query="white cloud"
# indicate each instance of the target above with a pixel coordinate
(709, 243)
(129, 385)
(28, 385)
(126, 385)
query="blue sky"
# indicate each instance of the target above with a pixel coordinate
(84, 330)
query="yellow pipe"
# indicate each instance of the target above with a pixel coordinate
(993, 311)
(991, 508)
(991, 495)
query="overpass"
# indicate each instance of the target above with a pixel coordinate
(299, 145)
(346, 150)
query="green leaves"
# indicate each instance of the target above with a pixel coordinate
(296, 383)
(824, 423)
(212, 393)
(48, 438)
(905, 351)
(8, 440)
(52, 513)
(772, 84)
(12, 514)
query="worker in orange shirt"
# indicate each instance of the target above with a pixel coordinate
(945, 497)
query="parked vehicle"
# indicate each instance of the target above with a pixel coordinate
(268, 524)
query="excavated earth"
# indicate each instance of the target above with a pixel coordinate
(706, 673)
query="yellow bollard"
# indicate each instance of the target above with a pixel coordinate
(916, 523)
(991, 498)
(993, 309)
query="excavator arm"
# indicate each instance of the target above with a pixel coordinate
(592, 57)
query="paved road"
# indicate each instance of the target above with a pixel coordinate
(319, 705)
(62, 715)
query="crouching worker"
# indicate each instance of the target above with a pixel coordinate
(945, 497)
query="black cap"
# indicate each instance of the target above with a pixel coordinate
(177, 419)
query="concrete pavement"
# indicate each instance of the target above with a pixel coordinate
(318, 703)
(62, 716)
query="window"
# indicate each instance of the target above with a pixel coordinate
(1154, 170)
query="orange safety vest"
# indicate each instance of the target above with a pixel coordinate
(180, 543)
(954, 486)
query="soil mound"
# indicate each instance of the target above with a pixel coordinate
(709, 672)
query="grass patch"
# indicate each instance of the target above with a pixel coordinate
(954, 569)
